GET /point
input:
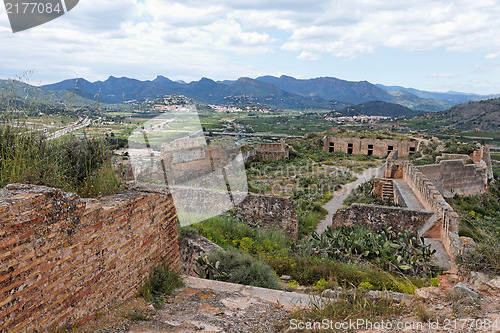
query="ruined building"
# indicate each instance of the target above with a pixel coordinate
(273, 151)
(369, 146)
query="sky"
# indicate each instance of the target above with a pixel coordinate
(432, 45)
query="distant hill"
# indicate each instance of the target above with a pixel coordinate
(330, 88)
(413, 102)
(242, 91)
(451, 97)
(482, 115)
(377, 108)
(17, 93)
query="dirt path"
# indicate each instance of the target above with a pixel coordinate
(340, 195)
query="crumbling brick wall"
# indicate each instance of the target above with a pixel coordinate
(63, 258)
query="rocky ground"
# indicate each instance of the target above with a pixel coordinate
(193, 310)
(460, 304)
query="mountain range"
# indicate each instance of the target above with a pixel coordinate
(281, 92)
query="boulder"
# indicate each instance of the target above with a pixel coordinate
(428, 293)
(463, 290)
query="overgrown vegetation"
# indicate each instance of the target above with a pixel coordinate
(162, 281)
(309, 177)
(83, 166)
(364, 194)
(351, 304)
(386, 249)
(480, 220)
(266, 244)
(302, 262)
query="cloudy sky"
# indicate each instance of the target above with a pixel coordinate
(426, 44)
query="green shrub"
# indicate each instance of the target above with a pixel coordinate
(162, 281)
(242, 268)
(309, 270)
(228, 231)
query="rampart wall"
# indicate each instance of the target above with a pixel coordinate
(454, 177)
(62, 258)
(272, 151)
(432, 199)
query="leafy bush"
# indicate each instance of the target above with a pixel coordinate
(240, 267)
(229, 231)
(161, 281)
(267, 244)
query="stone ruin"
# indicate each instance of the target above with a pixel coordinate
(369, 146)
(421, 192)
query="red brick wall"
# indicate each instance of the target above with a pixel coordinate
(62, 258)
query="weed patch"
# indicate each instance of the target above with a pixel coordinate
(162, 281)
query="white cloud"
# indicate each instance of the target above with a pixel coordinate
(148, 37)
(309, 56)
(442, 75)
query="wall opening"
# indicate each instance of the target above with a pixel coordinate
(370, 150)
(349, 148)
(389, 149)
(331, 148)
(412, 150)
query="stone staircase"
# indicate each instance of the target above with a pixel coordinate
(387, 191)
